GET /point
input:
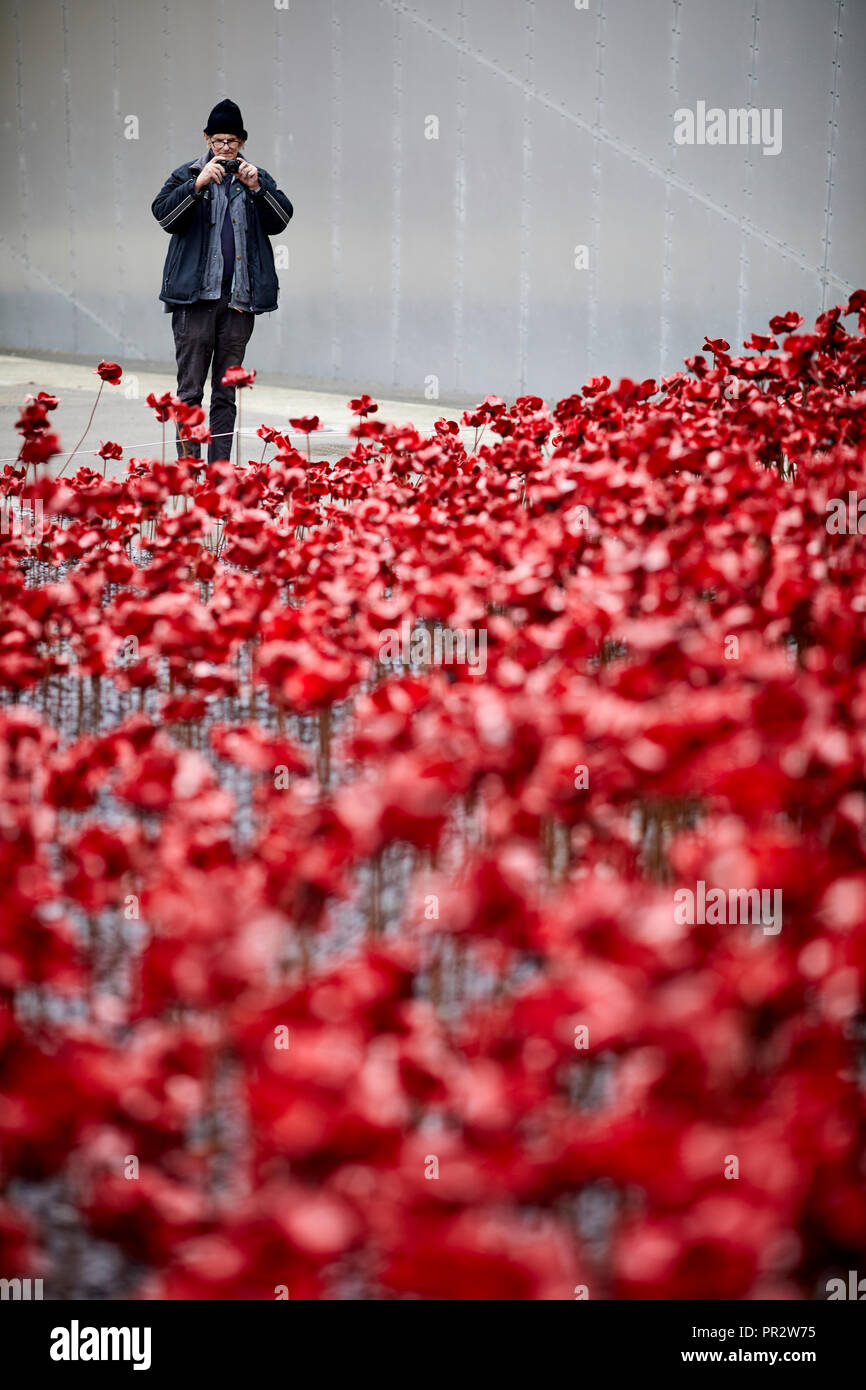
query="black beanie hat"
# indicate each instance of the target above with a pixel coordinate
(225, 119)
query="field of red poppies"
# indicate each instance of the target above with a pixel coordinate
(330, 975)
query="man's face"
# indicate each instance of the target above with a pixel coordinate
(225, 146)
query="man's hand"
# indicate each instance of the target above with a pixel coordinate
(213, 172)
(249, 175)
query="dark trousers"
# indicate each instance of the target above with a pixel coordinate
(210, 332)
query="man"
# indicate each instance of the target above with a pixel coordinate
(219, 271)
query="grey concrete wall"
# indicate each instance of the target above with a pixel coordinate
(448, 261)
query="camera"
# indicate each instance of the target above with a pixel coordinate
(231, 166)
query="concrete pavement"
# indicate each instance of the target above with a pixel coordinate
(124, 416)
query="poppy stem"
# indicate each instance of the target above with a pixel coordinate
(84, 436)
(374, 921)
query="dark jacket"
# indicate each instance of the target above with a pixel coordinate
(185, 215)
